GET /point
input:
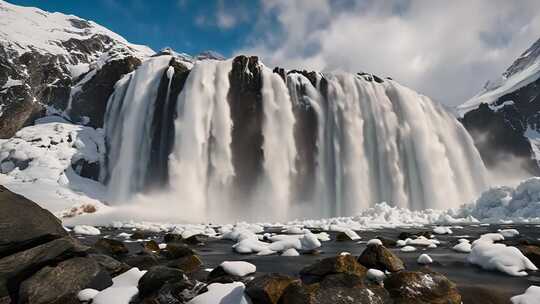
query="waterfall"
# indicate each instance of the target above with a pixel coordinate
(201, 162)
(127, 126)
(332, 144)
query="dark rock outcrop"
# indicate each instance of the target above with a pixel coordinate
(245, 100)
(378, 257)
(111, 247)
(421, 288)
(60, 284)
(156, 277)
(23, 224)
(268, 288)
(332, 265)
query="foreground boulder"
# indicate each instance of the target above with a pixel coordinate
(426, 287)
(19, 266)
(378, 257)
(111, 247)
(156, 277)
(341, 288)
(187, 264)
(24, 224)
(532, 252)
(338, 264)
(60, 284)
(268, 288)
(109, 264)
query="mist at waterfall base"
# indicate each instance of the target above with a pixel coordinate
(373, 142)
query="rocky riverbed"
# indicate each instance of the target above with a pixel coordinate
(43, 262)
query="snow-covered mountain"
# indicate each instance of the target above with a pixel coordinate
(43, 55)
(504, 118)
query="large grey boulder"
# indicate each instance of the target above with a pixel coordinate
(23, 224)
(60, 284)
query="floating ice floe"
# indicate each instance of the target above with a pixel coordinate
(496, 256)
(238, 268)
(408, 249)
(463, 246)
(508, 233)
(424, 259)
(290, 252)
(531, 296)
(442, 230)
(86, 230)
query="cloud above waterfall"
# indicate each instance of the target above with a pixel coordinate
(444, 49)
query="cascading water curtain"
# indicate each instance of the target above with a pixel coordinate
(365, 142)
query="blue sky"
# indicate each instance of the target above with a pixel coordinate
(446, 50)
(186, 26)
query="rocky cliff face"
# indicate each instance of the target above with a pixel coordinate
(57, 63)
(504, 119)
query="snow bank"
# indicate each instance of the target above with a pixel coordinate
(506, 204)
(238, 268)
(123, 289)
(495, 256)
(375, 275)
(39, 161)
(86, 230)
(231, 293)
(531, 296)
(463, 246)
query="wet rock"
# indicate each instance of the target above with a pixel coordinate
(172, 238)
(156, 276)
(532, 253)
(60, 284)
(409, 235)
(341, 288)
(332, 265)
(177, 250)
(268, 288)
(219, 275)
(91, 100)
(143, 260)
(387, 242)
(179, 292)
(198, 239)
(475, 294)
(187, 264)
(23, 224)
(379, 257)
(140, 235)
(151, 246)
(421, 287)
(109, 264)
(343, 237)
(21, 265)
(111, 247)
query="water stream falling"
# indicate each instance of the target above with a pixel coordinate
(332, 144)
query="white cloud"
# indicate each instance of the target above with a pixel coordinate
(444, 49)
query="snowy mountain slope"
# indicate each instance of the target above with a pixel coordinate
(523, 71)
(42, 55)
(26, 29)
(504, 118)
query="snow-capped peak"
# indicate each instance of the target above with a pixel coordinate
(521, 72)
(25, 29)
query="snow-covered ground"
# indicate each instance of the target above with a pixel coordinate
(37, 163)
